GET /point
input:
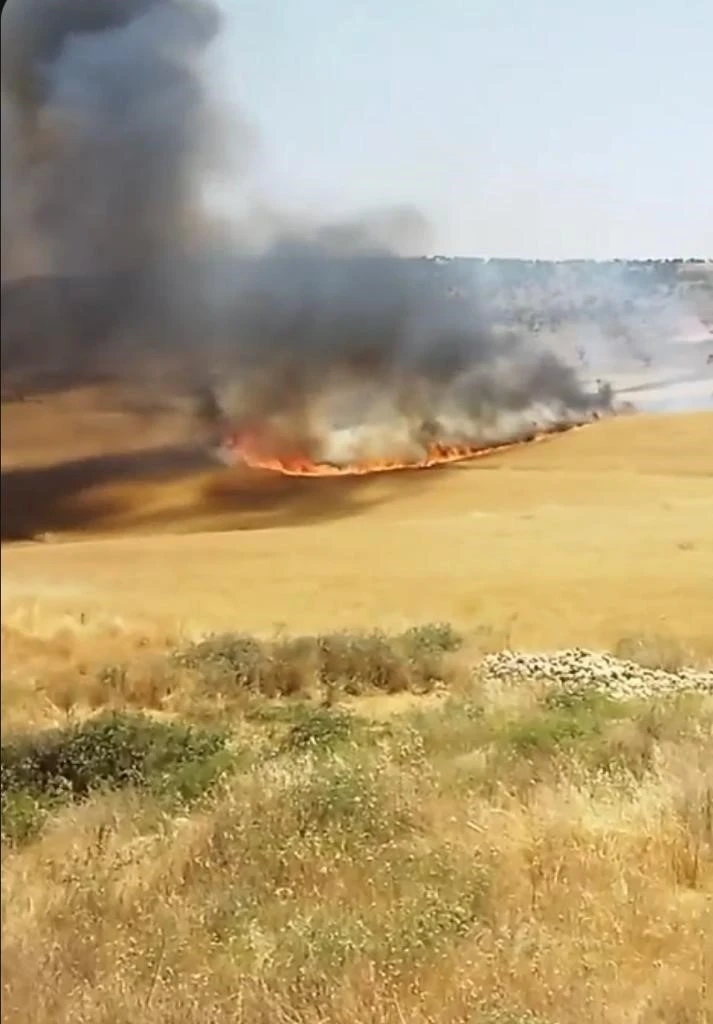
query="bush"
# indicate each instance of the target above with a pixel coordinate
(319, 729)
(603, 735)
(22, 816)
(412, 660)
(432, 637)
(563, 722)
(358, 661)
(235, 653)
(349, 800)
(353, 661)
(111, 751)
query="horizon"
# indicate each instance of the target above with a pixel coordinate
(432, 257)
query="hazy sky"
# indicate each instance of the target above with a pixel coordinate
(537, 128)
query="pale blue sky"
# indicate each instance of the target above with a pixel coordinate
(537, 128)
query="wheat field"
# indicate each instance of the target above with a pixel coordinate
(575, 540)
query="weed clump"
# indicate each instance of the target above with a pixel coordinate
(319, 729)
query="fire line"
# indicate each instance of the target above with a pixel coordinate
(245, 452)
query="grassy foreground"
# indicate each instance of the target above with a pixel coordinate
(243, 832)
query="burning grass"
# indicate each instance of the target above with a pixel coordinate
(489, 854)
(260, 448)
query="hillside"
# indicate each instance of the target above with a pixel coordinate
(579, 539)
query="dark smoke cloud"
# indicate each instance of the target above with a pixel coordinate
(106, 131)
(109, 141)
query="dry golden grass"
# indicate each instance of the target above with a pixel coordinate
(473, 859)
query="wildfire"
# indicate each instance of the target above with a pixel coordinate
(249, 448)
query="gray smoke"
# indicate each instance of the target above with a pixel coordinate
(318, 330)
(106, 131)
(109, 141)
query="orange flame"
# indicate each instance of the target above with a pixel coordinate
(249, 449)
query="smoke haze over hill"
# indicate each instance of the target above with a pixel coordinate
(111, 139)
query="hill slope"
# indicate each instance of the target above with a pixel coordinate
(582, 539)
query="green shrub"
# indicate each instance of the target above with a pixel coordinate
(453, 728)
(349, 798)
(22, 816)
(602, 734)
(431, 638)
(319, 729)
(545, 733)
(110, 751)
(563, 720)
(237, 654)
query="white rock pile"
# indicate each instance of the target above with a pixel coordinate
(577, 669)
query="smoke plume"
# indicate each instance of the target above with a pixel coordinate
(107, 132)
(110, 142)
